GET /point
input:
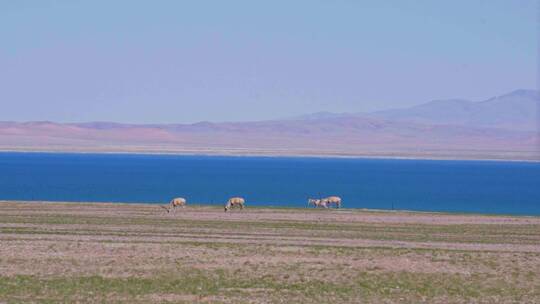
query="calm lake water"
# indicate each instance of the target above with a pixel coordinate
(429, 185)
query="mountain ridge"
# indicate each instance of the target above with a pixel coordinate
(517, 110)
(328, 134)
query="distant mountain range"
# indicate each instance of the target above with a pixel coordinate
(517, 110)
(503, 127)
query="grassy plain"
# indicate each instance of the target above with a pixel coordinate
(137, 253)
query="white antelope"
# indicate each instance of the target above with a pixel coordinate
(176, 202)
(332, 200)
(234, 201)
(317, 203)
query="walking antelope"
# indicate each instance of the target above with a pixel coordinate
(317, 203)
(332, 200)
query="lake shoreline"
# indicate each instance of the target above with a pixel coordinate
(269, 155)
(284, 208)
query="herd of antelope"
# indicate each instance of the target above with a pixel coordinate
(239, 202)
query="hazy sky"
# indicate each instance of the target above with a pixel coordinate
(186, 61)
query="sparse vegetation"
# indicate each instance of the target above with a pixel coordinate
(54, 253)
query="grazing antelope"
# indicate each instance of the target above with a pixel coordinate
(176, 202)
(317, 203)
(332, 200)
(234, 201)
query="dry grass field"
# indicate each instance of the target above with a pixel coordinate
(75, 252)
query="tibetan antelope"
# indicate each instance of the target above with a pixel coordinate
(176, 202)
(234, 201)
(317, 203)
(332, 200)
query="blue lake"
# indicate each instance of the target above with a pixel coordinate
(429, 185)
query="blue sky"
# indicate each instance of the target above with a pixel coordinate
(186, 61)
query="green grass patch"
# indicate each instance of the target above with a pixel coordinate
(366, 286)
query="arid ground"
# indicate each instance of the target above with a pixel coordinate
(137, 253)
